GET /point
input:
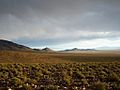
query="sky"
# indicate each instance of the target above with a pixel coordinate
(61, 24)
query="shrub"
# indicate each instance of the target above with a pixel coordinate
(99, 86)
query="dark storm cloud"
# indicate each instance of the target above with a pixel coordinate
(59, 21)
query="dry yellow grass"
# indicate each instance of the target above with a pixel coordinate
(55, 57)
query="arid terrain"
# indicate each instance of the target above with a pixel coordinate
(28, 70)
(58, 57)
(24, 68)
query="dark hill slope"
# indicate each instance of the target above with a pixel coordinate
(8, 45)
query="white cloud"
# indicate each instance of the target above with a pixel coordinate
(89, 44)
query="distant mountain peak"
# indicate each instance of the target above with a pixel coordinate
(47, 49)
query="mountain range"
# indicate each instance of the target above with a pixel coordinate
(11, 46)
(76, 49)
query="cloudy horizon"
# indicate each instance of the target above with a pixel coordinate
(61, 24)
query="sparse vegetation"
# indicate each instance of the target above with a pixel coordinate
(72, 76)
(59, 71)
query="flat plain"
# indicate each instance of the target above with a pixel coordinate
(58, 57)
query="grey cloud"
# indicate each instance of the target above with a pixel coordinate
(59, 20)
